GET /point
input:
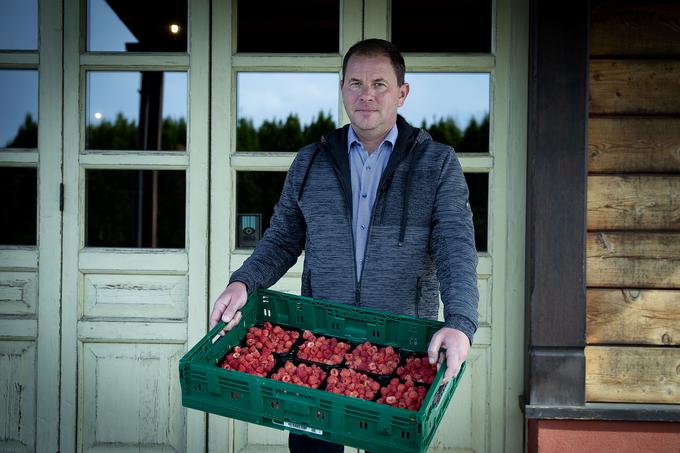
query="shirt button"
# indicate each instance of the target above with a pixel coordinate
(363, 227)
(368, 167)
(364, 195)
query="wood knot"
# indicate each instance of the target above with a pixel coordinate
(631, 295)
(666, 339)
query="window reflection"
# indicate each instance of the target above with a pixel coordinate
(135, 208)
(454, 108)
(478, 185)
(284, 111)
(298, 26)
(257, 192)
(137, 26)
(459, 26)
(136, 110)
(19, 111)
(18, 210)
(19, 24)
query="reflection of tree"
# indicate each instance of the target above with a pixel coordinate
(290, 135)
(278, 135)
(475, 138)
(27, 135)
(123, 134)
(119, 134)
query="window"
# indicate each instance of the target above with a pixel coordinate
(19, 117)
(452, 107)
(19, 25)
(300, 26)
(18, 210)
(135, 208)
(137, 26)
(136, 110)
(461, 26)
(284, 111)
(256, 195)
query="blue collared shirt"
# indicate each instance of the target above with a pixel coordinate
(366, 172)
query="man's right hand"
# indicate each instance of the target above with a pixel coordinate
(228, 306)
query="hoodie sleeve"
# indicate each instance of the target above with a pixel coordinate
(453, 248)
(283, 241)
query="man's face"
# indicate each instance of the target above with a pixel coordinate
(371, 94)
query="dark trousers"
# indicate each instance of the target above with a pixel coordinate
(298, 443)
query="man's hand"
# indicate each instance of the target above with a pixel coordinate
(228, 306)
(457, 346)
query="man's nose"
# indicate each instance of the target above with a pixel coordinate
(367, 92)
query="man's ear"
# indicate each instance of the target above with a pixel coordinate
(403, 92)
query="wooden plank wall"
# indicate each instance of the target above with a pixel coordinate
(633, 243)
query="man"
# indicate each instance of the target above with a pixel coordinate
(382, 213)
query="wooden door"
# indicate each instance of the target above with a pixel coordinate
(484, 414)
(134, 282)
(30, 236)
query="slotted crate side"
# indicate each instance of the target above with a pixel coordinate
(338, 320)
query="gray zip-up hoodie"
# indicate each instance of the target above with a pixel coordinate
(420, 241)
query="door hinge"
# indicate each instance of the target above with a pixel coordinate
(61, 197)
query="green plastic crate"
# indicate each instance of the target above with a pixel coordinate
(315, 412)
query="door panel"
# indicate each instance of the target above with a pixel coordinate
(18, 293)
(17, 395)
(129, 397)
(132, 296)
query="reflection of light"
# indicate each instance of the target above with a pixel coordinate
(174, 28)
(98, 116)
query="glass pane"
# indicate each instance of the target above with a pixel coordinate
(19, 111)
(18, 210)
(19, 24)
(442, 26)
(135, 208)
(454, 108)
(284, 111)
(299, 26)
(478, 185)
(114, 103)
(137, 26)
(257, 192)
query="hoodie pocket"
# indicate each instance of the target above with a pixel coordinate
(419, 296)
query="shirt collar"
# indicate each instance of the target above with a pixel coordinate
(352, 138)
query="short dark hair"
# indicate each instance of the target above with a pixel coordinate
(375, 47)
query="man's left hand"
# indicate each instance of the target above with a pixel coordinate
(457, 346)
